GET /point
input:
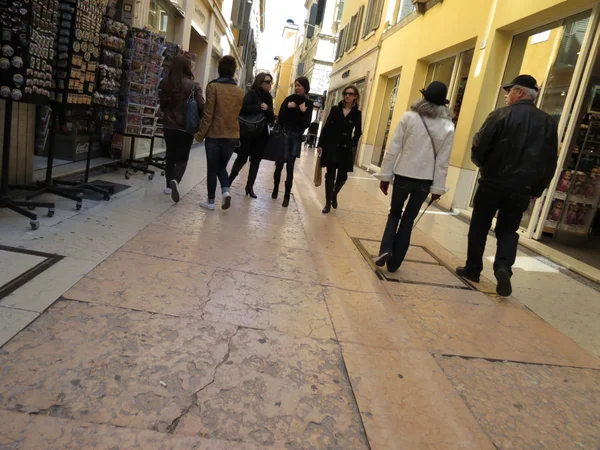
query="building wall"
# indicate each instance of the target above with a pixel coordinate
(445, 30)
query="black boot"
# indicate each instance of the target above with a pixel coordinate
(276, 180)
(327, 208)
(286, 197)
(250, 192)
(235, 171)
(329, 193)
(336, 191)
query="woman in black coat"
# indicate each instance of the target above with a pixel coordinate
(258, 100)
(338, 142)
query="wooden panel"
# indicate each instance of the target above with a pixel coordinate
(1, 130)
(14, 145)
(22, 142)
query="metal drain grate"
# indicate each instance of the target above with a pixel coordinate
(421, 267)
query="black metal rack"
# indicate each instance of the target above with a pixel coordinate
(6, 201)
(132, 164)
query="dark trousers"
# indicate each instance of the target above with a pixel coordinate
(333, 183)
(397, 239)
(510, 206)
(179, 144)
(253, 150)
(218, 154)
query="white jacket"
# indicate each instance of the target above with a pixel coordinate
(409, 154)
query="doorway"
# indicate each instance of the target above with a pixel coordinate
(385, 120)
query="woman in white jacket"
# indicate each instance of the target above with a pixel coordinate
(417, 161)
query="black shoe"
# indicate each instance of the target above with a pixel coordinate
(275, 194)
(334, 203)
(286, 201)
(504, 288)
(462, 272)
(174, 190)
(327, 209)
(382, 259)
(250, 192)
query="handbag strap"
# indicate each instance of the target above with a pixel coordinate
(193, 91)
(432, 142)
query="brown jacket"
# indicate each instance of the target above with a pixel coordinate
(172, 105)
(224, 101)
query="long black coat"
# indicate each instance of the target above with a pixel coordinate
(252, 101)
(339, 138)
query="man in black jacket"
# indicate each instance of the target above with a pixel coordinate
(516, 152)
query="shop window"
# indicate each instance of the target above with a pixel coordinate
(385, 120)
(406, 8)
(440, 71)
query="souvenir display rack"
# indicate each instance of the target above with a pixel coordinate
(577, 196)
(27, 52)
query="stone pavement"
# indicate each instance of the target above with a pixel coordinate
(262, 327)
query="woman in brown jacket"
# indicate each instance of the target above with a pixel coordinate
(176, 89)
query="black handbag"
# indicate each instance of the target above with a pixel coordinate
(275, 149)
(191, 114)
(252, 125)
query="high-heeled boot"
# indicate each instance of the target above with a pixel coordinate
(235, 171)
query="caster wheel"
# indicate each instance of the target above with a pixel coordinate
(134, 170)
(50, 212)
(127, 176)
(162, 174)
(151, 177)
(104, 170)
(31, 208)
(78, 206)
(111, 190)
(106, 197)
(34, 224)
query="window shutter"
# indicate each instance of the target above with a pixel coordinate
(300, 69)
(378, 13)
(340, 10)
(367, 27)
(237, 13)
(320, 12)
(312, 20)
(359, 19)
(351, 30)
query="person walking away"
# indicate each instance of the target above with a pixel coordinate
(257, 100)
(516, 150)
(220, 129)
(417, 158)
(337, 145)
(295, 116)
(177, 87)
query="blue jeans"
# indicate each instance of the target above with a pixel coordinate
(396, 240)
(218, 154)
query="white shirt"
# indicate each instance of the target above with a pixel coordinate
(409, 154)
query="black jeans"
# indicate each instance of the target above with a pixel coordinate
(510, 206)
(397, 239)
(179, 144)
(218, 154)
(293, 147)
(333, 183)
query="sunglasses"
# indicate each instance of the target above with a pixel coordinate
(349, 94)
(268, 81)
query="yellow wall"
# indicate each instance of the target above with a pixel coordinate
(285, 81)
(445, 30)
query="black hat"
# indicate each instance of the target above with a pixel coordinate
(526, 81)
(436, 93)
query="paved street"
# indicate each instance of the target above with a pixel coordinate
(264, 327)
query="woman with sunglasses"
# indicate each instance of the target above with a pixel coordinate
(258, 100)
(337, 145)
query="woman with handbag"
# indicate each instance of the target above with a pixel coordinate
(417, 158)
(294, 118)
(177, 89)
(257, 113)
(337, 144)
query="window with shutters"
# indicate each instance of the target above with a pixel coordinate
(321, 4)
(406, 8)
(312, 21)
(373, 17)
(351, 31)
(339, 10)
(341, 45)
(359, 18)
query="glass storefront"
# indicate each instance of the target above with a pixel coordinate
(161, 19)
(385, 120)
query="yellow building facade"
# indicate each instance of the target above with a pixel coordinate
(474, 46)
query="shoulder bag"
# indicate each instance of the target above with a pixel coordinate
(191, 114)
(252, 125)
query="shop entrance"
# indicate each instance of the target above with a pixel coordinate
(385, 120)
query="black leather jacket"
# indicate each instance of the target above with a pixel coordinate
(517, 148)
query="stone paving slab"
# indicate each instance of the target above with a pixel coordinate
(35, 432)
(523, 406)
(230, 252)
(493, 332)
(146, 283)
(105, 365)
(413, 272)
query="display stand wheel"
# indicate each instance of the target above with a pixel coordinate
(78, 206)
(162, 174)
(50, 212)
(34, 224)
(104, 170)
(106, 197)
(31, 208)
(151, 176)
(127, 176)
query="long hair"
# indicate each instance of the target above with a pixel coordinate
(304, 83)
(260, 79)
(180, 69)
(428, 109)
(357, 98)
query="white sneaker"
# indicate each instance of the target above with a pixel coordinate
(174, 190)
(206, 205)
(167, 191)
(226, 201)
